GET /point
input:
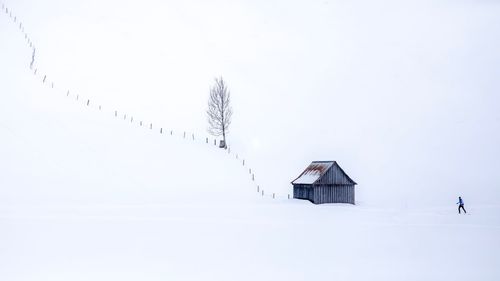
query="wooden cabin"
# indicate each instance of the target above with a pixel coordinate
(324, 182)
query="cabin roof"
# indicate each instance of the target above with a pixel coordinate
(313, 172)
(316, 170)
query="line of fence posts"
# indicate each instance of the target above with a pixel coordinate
(132, 118)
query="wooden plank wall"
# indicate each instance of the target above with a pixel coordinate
(303, 191)
(334, 194)
(319, 194)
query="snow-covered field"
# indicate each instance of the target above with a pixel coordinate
(85, 195)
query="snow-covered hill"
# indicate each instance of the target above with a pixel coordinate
(85, 195)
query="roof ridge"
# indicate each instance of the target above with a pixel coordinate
(317, 170)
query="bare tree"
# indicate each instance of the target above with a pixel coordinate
(219, 110)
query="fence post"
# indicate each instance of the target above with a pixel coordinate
(184, 136)
(52, 85)
(88, 102)
(215, 142)
(207, 140)
(161, 130)
(262, 192)
(258, 188)
(131, 119)
(140, 123)
(274, 195)
(288, 196)
(151, 126)
(243, 162)
(116, 113)
(44, 77)
(100, 107)
(253, 177)
(171, 132)
(77, 97)
(249, 171)
(193, 136)
(67, 93)
(124, 116)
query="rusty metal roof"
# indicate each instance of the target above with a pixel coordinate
(313, 172)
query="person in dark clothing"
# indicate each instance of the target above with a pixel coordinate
(461, 205)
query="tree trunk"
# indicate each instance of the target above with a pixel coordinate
(224, 137)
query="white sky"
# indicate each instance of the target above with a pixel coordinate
(403, 94)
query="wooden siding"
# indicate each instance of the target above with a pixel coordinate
(333, 194)
(319, 194)
(303, 191)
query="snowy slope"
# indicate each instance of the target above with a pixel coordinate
(88, 196)
(402, 94)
